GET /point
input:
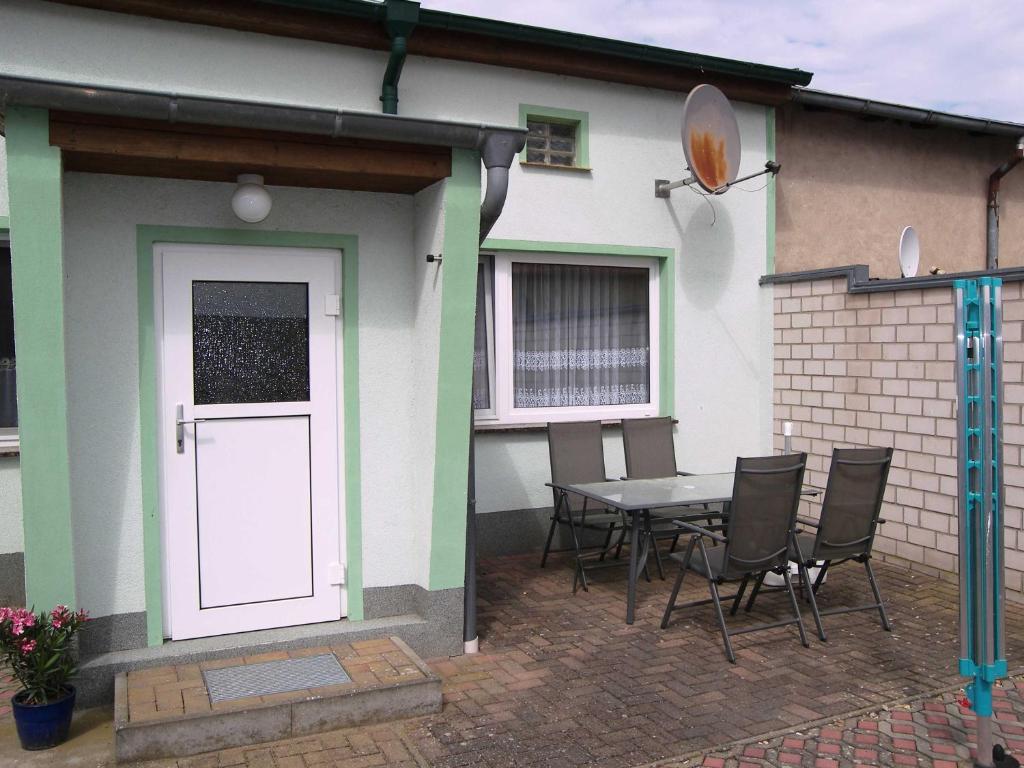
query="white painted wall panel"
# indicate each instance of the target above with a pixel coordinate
(12, 535)
(426, 332)
(4, 204)
(79, 45)
(101, 213)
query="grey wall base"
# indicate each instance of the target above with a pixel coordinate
(12, 579)
(520, 531)
(430, 622)
(119, 632)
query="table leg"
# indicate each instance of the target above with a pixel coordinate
(634, 565)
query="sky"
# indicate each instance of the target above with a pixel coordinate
(961, 56)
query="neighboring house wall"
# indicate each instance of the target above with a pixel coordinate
(101, 214)
(849, 186)
(879, 369)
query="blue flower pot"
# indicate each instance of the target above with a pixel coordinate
(41, 726)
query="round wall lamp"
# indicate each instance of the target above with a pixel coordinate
(251, 201)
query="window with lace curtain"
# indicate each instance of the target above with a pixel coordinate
(564, 337)
(8, 396)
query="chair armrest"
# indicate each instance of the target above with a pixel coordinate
(696, 529)
(881, 521)
(807, 521)
(684, 474)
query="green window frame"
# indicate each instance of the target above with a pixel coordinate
(580, 121)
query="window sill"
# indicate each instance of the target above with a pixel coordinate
(577, 168)
(484, 427)
(9, 451)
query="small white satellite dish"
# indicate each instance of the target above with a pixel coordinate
(910, 252)
(711, 138)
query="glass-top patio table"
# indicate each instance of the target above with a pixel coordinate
(639, 498)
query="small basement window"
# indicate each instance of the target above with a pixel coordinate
(557, 138)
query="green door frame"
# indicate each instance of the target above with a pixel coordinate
(147, 238)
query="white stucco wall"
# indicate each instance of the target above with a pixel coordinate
(101, 214)
(80, 45)
(723, 319)
(4, 204)
(12, 537)
(428, 238)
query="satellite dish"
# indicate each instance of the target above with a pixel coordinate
(711, 138)
(910, 252)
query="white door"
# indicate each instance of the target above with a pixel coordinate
(249, 436)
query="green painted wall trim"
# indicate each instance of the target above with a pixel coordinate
(455, 371)
(769, 140)
(666, 298)
(147, 236)
(557, 115)
(37, 262)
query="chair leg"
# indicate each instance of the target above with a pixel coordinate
(547, 544)
(721, 620)
(657, 556)
(580, 573)
(796, 606)
(678, 584)
(739, 595)
(805, 578)
(757, 588)
(878, 597)
(607, 541)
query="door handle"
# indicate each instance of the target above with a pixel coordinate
(179, 426)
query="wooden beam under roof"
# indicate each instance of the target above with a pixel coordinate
(98, 144)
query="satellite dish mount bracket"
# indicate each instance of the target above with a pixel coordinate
(663, 187)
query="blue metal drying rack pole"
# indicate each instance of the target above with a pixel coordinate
(979, 351)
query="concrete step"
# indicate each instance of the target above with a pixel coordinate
(169, 712)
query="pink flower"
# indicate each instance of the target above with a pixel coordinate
(6, 613)
(27, 646)
(56, 622)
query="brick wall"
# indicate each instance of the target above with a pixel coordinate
(877, 369)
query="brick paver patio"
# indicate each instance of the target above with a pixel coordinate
(562, 681)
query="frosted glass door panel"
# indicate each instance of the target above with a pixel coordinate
(250, 342)
(254, 513)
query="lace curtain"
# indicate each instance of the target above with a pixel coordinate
(581, 335)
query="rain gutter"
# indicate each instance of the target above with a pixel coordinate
(822, 99)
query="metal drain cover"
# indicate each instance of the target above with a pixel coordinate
(270, 677)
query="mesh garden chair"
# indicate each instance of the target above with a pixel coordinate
(650, 453)
(754, 540)
(576, 450)
(846, 527)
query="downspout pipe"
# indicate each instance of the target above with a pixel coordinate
(992, 232)
(497, 153)
(400, 19)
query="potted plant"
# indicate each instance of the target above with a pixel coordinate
(40, 652)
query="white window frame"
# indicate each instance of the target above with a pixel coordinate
(9, 436)
(505, 413)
